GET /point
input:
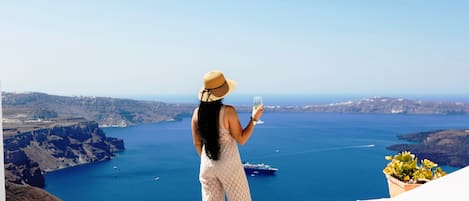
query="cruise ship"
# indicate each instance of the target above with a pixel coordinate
(258, 169)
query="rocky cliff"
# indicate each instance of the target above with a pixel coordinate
(445, 147)
(16, 192)
(32, 148)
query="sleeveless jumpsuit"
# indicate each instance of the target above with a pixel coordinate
(227, 173)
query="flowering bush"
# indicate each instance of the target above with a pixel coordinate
(404, 166)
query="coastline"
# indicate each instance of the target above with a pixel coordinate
(35, 148)
(152, 154)
(42, 110)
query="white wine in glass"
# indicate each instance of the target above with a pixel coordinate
(256, 104)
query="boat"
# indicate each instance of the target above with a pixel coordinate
(258, 169)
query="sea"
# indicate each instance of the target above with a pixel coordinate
(320, 157)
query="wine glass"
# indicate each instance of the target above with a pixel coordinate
(257, 103)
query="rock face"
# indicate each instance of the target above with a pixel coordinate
(445, 147)
(20, 169)
(38, 147)
(16, 192)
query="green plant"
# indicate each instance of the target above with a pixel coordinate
(404, 166)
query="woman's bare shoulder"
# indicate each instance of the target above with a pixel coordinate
(230, 108)
(230, 111)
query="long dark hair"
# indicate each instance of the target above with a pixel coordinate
(208, 121)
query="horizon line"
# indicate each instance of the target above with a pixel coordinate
(310, 94)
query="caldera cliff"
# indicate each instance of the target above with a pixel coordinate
(445, 147)
(36, 147)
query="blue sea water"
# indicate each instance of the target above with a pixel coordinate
(320, 156)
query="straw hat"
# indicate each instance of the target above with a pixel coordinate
(215, 87)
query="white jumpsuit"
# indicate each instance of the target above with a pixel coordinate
(226, 174)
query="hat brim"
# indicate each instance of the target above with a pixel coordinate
(217, 94)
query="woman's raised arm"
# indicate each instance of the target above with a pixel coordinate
(239, 134)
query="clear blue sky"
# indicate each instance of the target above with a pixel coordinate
(165, 47)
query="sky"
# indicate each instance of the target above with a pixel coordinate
(120, 48)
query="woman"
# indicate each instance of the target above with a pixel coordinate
(216, 131)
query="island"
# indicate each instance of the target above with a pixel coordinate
(445, 147)
(382, 105)
(108, 112)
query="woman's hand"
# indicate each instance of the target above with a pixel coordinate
(257, 112)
